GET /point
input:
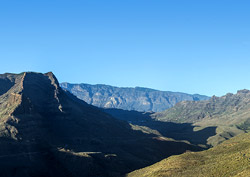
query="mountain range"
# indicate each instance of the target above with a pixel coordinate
(47, 131)
(138, 98)
(228, 118)
(229, 114)
(202, 121)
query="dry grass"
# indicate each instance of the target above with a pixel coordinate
(231, 158)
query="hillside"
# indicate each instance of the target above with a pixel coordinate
(178, 131)
(138, 98)
(229, 113)
(46, 131)
(231, 158)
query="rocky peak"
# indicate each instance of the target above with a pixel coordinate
(40, 92)
(53, 79)
(244, 91)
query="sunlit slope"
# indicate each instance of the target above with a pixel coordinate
(231, 158)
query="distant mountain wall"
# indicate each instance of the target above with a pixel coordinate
(138, 98)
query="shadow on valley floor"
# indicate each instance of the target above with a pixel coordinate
(60, 147)
(71, 155)
(177, 131)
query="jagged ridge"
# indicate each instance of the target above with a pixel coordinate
(229, 113)
(138, 98)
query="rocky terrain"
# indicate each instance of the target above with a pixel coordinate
(46, 131)
(138, 98)
(229, 114)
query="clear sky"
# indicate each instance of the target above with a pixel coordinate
(192, 46)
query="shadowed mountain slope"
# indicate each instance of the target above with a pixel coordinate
(45, 131)
(138, 98)
(177, 131)
(231, 158)
(229, 113)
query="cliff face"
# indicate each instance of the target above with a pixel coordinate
(46, 131)
(139, 99)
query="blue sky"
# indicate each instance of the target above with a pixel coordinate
(189, 46)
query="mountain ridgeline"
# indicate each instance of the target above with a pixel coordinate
(138, 98)
(46, 131)
(230, 114)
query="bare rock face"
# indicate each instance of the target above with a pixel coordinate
(46, 131)
(138, 99)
